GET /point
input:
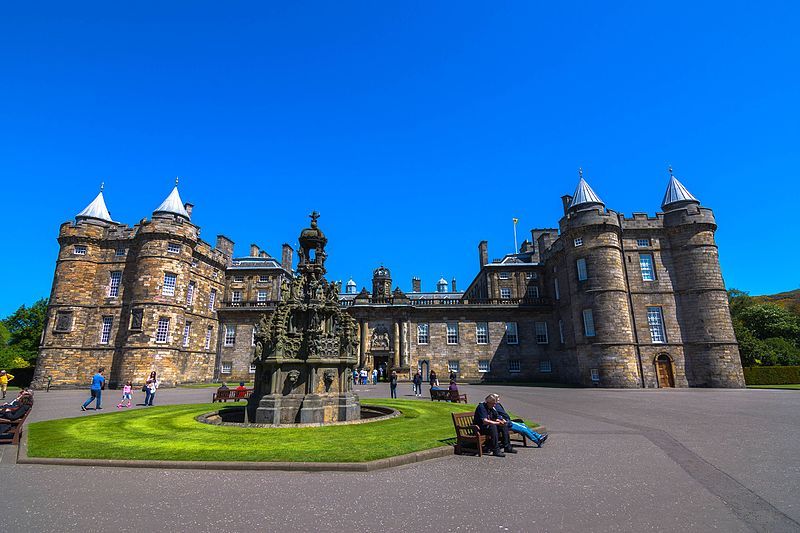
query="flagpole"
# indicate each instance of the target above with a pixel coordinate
(515, 234)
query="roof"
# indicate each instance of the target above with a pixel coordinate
(96, 210)
(676, 194)
(584, 195)
(351, 283)
(173, 205)
(254, 262)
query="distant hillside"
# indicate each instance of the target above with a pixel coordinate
(788, 300)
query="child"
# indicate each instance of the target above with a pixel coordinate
(126, 394)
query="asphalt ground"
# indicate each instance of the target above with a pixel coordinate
(616, 460)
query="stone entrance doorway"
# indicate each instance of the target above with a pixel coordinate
(424, 368)
(382, 363)
(664, 371)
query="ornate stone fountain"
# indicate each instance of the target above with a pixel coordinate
(306, 349)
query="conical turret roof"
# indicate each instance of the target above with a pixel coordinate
(173, 204)
(96, 210)
(677, 195)
(584, 195)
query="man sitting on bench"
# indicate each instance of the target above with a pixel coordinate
(494, 426)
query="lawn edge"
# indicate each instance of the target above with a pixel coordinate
(288, 466)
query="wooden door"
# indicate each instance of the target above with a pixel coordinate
(664, 372)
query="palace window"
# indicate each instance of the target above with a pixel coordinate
(252, 369)
(162, 331)
(581, 264)
(238, 278)
(209, 333)
(173, 247)
(194, 262)
(482, 332)
(253, 337)
(63, 321)
(561, 331)
(170, 280)
(237, 296)
(530, 275)
(556, 290)
(511, 333)
(225, 367)
(544, 367)
(655, 321)
(483, 365)
(137, 316)
(105, 333)
(452, 365)
(262, 296)
(643, 242)
(533, 291)
(505, 275)
(230, 335)
(263, 279)
(513, 366)
(212, 298)
(187, 331)
(578, 241)
(79, 249)
(541, 332)
(113, 285)
(422, 333)
(505, 293)
(452, 333)
(588, 323)
(120, 251)
(190, 293)
(646, 264)
(595, 373)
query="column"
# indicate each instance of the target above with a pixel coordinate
(362, 360)
(406, 341)
(396, 362)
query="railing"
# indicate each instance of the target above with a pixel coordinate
(427, 302)
(251, 303)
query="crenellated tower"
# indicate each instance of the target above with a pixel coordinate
(711, 352)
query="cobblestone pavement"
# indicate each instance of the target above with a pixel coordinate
(617, 460)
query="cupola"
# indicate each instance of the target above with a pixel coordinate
(584, 196)
(677, 195)
(441, 285)
(96, 210)
(172, 205)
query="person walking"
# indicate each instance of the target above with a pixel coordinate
(418, 384)
(96, 390)
(432, 379)
(151, 385)
(363, 375)
(126, 394)
(393, 384)
(374, 376)
(5, 377)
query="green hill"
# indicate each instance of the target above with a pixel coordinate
(788, 300)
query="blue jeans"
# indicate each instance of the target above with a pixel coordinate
(96, 396)
(394, 391)
(148, 397)
(525, 430)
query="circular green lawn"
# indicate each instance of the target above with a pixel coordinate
(172, 433)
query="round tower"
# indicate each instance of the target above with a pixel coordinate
(601, 317)
(72, 315)
(711, 352)
(381, 282)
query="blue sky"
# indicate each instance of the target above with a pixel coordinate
(417, 129)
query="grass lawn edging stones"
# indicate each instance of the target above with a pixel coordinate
(169, 436)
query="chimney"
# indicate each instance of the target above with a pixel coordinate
(416, 284)
(286, 257)
(188, 208)
(253, 250)
(453, 286)
(545, 241)
(263, 254)
(566, 199)
(224, 245)
(483, 253)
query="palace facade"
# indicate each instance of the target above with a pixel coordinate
(602, 300)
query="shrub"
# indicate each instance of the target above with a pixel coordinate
(772, 375)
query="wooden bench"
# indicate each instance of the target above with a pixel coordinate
(11, 435)
(469, 433)
(447, 395)
(223, 395)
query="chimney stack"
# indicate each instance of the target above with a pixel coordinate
(188, 208)
(253, 250)
(483, 253)
(566, 199)
(416, 284)
(224, 245)
(453, 286)
(287, 257)
(263, 254)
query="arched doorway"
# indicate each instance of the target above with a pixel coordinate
(666, 379)
(424, 367)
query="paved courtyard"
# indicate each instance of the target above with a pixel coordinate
(632, 460)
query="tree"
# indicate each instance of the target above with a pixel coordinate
(20, 335)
